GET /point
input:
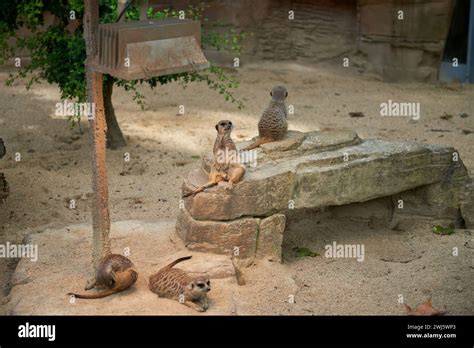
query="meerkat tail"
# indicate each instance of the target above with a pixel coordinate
(199, 189)
(101, 294)
(256, 144)
(175, 262)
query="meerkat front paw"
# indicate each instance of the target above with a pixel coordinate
(205, 305)
(90, 284)
(229, 186)
(194, 306)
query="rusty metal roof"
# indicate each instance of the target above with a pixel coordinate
(144, 49)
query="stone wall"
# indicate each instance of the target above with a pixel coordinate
(320, 30)
(409, 49)
(396, 50)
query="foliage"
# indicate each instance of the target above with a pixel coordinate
(58, 52)
(438, 229)
(301, 252)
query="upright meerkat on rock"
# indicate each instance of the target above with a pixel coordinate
(116, 273)
(273, 124)
(225, 165)
(174, 283)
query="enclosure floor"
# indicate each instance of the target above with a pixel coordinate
(164, 146)
(413, 265)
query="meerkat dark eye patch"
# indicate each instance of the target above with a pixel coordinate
(200, 285)
(208, 283)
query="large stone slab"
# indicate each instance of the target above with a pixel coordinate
(242, 239)
(400, 181)
(237, 237)
(270, 238)
(347, 172)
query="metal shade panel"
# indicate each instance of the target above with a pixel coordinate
(153, 48)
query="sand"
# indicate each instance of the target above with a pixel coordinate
(164, 146)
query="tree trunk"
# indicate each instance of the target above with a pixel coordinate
(98, 128)
(3, 183)
(115, 139)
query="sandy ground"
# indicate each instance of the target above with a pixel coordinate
(164, 146)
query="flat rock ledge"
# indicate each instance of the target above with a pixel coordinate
(316, 170)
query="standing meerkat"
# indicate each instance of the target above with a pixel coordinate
(174, 283)
(273, 124)
(225, 166)
(116, 273)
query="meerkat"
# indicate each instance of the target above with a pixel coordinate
(116, 273)
(225, 166)
(174, 283)
(273, 125)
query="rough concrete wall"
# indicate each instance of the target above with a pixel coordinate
(321, 29)
(408, 49)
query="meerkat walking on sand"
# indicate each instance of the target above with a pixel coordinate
(116, 273)
(225, 165)
(174, 283)
(273, 124)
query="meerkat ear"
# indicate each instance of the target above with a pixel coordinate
(271, 93)
(286, 94)
(217, 128)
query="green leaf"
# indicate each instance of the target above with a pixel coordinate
(438, 229)
(301, 252)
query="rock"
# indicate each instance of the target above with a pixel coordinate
(243, 238)
(364, 179)
(257, 197)
(218, 267)
(441, 200)
(318, 174)
(20, 278)
(270, 237)
(237, 237)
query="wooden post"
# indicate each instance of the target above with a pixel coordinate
(98, 125)
(143, 9)
(120, 6)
